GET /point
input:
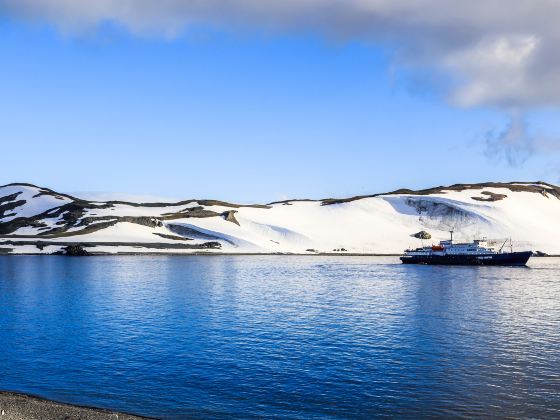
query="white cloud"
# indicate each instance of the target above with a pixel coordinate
(499, 53)
(495, 70)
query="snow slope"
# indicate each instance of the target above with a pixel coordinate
(382, 224)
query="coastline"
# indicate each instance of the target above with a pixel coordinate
(206, 254)
(222, 254)
(9, 247)
(20, 406)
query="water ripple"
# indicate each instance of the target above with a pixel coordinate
(287, 337)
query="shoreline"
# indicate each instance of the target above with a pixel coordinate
(220, 254)
(227, 254)
(21, 406)
(208, 254)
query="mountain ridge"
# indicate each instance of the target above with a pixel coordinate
(31, 215)
(530, 186)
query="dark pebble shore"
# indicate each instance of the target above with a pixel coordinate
(15, 406)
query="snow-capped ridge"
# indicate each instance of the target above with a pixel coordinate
(378, 223)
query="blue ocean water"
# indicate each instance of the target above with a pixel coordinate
(279, 336)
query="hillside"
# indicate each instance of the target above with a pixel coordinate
(39, 220)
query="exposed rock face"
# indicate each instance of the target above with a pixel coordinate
(75, 250)
(230, 216)
(198, 211)
(172, 237)
(490, 196)
(422, 235)
(92, 245)
(8, 203)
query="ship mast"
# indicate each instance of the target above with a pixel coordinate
(502, 247)
(451, 232)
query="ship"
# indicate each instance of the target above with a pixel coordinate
(473, 253)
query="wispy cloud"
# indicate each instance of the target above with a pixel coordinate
(514, 143)
(497, 53)
(517, 142)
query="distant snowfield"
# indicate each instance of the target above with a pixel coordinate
(116, 196)
(382, 224)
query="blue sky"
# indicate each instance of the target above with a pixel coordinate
(243, 115)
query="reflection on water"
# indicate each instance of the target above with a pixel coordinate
(303, 337)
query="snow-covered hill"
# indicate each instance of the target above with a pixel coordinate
(39, 220)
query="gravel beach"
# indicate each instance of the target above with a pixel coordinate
(24, 407)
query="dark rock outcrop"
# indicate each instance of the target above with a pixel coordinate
(9, 205)
(148, 245)
(172, 237)
(230, 216)
(74, 250)
(490, 196)
(422, 235)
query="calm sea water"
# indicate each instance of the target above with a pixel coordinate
(297, 337)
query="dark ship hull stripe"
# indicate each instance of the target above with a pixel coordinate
(506, 259)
